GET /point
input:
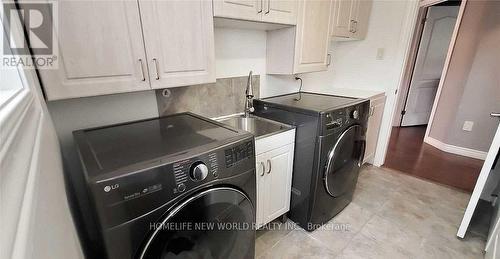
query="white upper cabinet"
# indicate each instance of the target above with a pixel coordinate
(239, 9)
(312, 38)
(350, 18)
(271, 11)
(303, 48)
(342, 17)
(280, 11)
(179, 42)
(108, 47)
(101, 50)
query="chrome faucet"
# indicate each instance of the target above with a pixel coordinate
(249, 96)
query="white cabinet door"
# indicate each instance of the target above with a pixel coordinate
(350, 18)
(374, 122)
(280, 11)
(341, 17)
(179, 40)
(312, 36)
(262, 188)
(279, 163)
(101, 50)
(364, 8)
(239, 9)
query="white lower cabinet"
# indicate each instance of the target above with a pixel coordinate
(374, 122)
(274, 178)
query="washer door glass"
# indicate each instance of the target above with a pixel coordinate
(216, 223)
(343, 161)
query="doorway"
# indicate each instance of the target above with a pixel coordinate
(407, 151)
(431, 41)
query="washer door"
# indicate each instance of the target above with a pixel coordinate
(343, 161)
(216, 223)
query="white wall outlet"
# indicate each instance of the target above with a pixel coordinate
(468, 125)
(380, 53)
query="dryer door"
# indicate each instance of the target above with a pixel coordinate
(216, 223)
(343, 161)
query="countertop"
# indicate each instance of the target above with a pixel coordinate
(352, 92)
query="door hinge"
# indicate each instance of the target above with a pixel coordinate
(403, 112)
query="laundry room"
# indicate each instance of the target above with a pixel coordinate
(250, 129)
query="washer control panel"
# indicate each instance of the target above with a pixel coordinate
(143, 191)
(238, 153)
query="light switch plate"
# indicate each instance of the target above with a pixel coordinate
(380, 53)
(468, 125)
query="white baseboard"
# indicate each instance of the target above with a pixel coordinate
(462, 151)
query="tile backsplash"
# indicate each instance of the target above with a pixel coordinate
(224, 97)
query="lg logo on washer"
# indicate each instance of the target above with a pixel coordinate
(108, 188)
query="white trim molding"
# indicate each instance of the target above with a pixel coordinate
(461, 151)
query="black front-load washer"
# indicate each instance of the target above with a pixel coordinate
(329, 150)
(180, 186)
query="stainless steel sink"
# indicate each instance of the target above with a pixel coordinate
(259, 127)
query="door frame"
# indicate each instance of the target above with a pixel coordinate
(451, 48)
(407, 54)
(404, 87)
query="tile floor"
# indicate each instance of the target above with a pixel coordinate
(391, 216)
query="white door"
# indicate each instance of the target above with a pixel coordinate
(480, 183)
(493, 243)
(280, 11)
(429, 64)
(239, 9)
(35, 219)
(262, 188)
(179, 38)
(101, 50)
(373, 129)
(312, 36)
(342, 13)
(279, 164)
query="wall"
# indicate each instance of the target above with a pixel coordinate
(224, 97)
(237, 51)
(471, 89)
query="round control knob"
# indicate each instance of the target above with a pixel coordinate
(355, 114)
(181, 187)
(198, 172)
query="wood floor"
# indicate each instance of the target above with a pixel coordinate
(409, 154)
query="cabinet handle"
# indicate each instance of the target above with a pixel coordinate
(143, 78)
(372, 110)
(269, 163)
(263, 168)
(260, 9)
(351, 26)
(355, 29)
(155, 61)
(328, 59)
(495, 114)
(268, 6)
